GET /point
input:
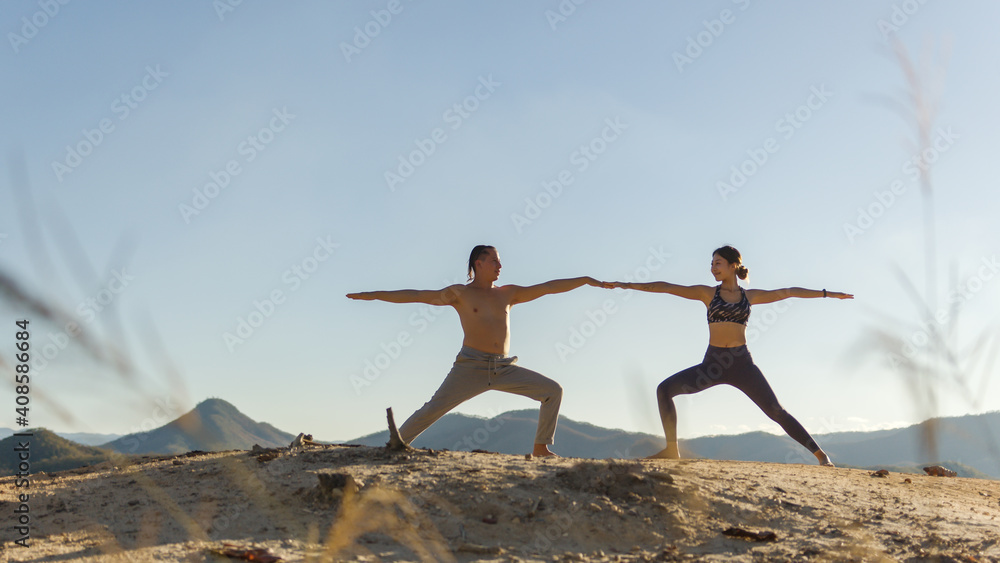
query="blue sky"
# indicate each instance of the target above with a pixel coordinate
(193, 168)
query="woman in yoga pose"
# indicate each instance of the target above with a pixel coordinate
(727, 359)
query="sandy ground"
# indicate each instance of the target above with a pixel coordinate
(443, 506)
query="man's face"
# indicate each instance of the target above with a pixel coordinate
(488, 265)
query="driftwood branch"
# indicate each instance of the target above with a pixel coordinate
(301, 441)
(395, 442)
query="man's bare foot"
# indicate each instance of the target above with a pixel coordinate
(670, 452)
(542, 450)
(823, 459)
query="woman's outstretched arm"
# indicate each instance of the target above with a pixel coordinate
(696, 292)
(445, 296)
(758, 296)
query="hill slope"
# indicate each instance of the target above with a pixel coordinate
(85, 438)
(213, 425)
(48, 452)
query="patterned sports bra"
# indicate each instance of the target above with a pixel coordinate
(721, 311)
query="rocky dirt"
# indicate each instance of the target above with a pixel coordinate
(342, 503)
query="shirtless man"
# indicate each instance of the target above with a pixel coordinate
(483, 363)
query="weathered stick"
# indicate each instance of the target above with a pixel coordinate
(395, 442)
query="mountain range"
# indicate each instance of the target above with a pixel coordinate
(85, 438)
(970, 440)
(514, 432)
(968, 444)
(213, 425)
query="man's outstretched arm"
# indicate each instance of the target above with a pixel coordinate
(532, 292)
(445, 296)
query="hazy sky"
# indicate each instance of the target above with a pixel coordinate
(200, 184)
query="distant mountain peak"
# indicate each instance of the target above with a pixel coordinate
(216, 404)
(213, 425)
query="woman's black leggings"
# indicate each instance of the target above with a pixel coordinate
(732, 366)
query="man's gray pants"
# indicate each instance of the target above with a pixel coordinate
(475, 372)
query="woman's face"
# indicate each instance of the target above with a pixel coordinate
(722, 269)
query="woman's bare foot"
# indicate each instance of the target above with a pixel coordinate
(824, 459)
(670, 452)
(542, 450)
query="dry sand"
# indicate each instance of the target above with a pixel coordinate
(429, 505)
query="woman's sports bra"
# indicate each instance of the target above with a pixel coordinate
(721, 311)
